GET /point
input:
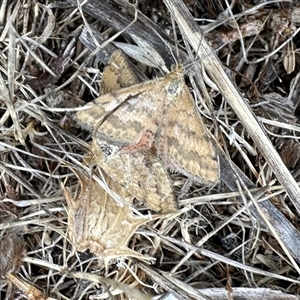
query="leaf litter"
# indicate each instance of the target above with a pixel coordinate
(51, 66)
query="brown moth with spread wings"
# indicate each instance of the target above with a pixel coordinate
(140, 172)
(159, 113)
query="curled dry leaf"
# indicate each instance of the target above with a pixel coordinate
(290, 152)
(12, 250)
(98, 223)
(117, 74)
(29, 290)
(143, 53)
(289, 58)
(8, 212)
(276, 107)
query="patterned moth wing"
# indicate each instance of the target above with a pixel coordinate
(110, 115)
(183, 144)
(140, 173)
(98, 223)
(117, 74)
(127, 117)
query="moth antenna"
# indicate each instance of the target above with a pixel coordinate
(175, 40)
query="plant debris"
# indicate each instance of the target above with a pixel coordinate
(236, 239)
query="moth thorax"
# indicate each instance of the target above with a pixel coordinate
(107, 149)
(174, 86)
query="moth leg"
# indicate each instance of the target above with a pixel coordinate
(144, 143)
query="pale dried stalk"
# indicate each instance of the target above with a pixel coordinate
(240, 293)
(8, 94)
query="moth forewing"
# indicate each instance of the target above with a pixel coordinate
(183, 143)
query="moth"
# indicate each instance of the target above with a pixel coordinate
(140, 173)
(158, 113)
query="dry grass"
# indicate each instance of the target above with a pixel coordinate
(241, 233)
